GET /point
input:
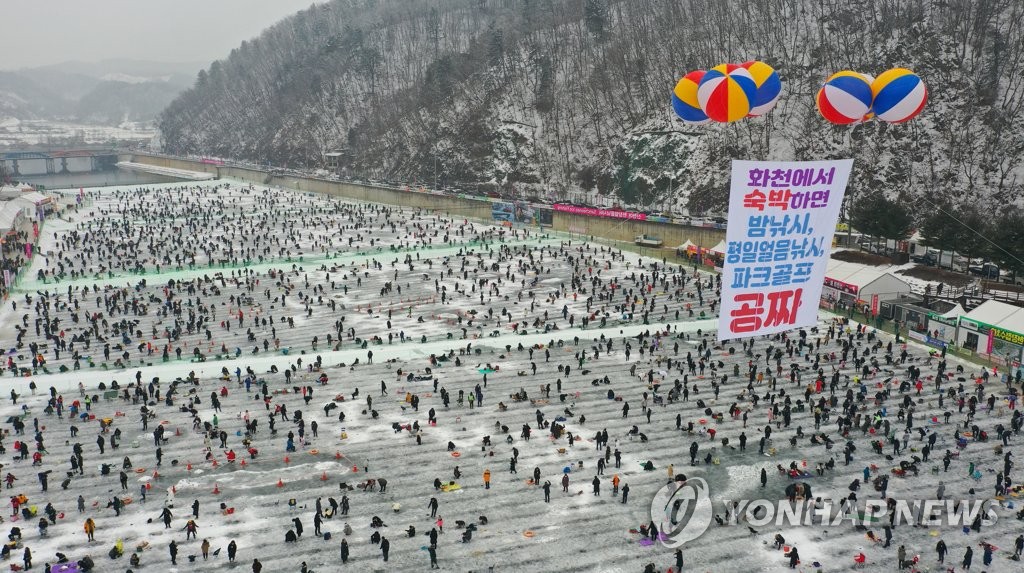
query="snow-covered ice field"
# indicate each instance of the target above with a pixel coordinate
(242, 281)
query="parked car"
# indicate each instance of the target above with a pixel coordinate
(985, 270)
(648, 241)
(1013, 279)
(929, 258)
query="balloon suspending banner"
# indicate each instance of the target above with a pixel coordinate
(727, 93)
(849, 97)
(730, 92)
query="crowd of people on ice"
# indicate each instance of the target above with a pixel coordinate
(842, 392)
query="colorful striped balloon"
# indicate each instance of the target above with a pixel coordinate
(870, 79)
(899, 95)
(726, 93)
(769, 87)
(845, 98)
(684, 99)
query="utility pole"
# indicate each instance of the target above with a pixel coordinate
(849, 220)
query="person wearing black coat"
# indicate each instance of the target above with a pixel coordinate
(968, 557)
(344, 551)
(794, 557)
(432, 550)
(385, 546)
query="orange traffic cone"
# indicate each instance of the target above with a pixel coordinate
(216, 488)
(174, 489)
(214, 462)
(323, 476)
(243, 463)
(188, 467)
(280, 483)
(149, 485)
(337, 455)
(355, 469)
(286, 460)
(177, 432)
(156, 474)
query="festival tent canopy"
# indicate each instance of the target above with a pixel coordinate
(998, 314)
(868, 280)
(35, 197)
(9, 214)
(955, 312)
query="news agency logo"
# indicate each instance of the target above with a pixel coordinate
(682, 511)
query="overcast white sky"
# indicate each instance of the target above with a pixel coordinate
(40, 32)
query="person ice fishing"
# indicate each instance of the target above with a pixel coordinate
(794, 557)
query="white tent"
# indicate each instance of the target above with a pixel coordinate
(35, 197)
(955, 312)
(720, 247)
(998, 314)
(9, 215)
(685, 245)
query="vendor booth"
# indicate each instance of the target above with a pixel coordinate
(861, 286)
(994, 330)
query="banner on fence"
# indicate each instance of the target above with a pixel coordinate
(595, 212)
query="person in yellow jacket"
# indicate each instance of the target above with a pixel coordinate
(671, 472)
(487, 479)
(90, 529)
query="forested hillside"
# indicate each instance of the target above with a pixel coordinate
(563, 96)
(108, 92)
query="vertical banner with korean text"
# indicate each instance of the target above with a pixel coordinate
(782, 216)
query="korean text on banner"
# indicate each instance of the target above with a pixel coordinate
(782, 216)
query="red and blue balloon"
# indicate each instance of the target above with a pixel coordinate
(726, 93)
(849, 97)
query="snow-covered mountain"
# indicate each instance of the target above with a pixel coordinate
(564, 97)
(104, 93)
